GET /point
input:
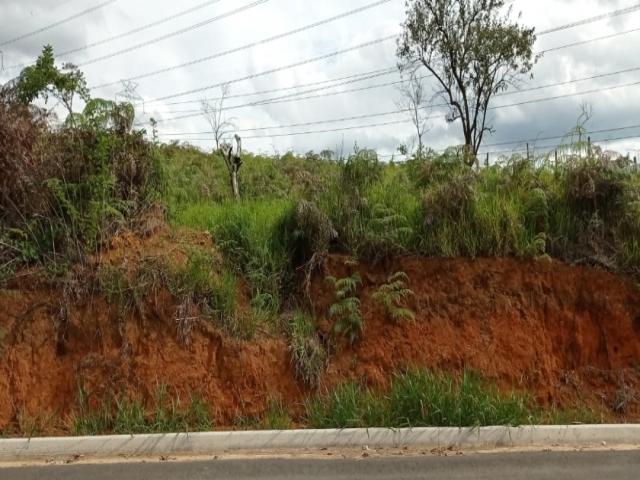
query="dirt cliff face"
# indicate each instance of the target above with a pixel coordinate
(569, 335)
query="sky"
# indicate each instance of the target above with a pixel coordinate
(238, 34)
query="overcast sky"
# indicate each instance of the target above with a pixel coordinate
(259, 20)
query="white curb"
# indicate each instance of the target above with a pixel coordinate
(219, 442)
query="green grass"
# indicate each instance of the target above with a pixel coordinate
(308, 355)
(126, 416)
(421, 399)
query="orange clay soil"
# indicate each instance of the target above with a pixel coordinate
(569, 335)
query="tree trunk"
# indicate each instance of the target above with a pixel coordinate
(234, 183)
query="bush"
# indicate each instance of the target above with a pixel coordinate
(308, 355)
(346, 309)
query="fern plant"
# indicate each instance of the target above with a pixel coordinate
(346, 309)
(392, 296)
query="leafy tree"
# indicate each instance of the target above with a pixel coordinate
(101, 114)
(45, 80)
(472, 50)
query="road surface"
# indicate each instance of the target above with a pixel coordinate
(513, 466)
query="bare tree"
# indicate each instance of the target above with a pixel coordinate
(213, 112)
(413, 101)
(473, 51)
(233, 160)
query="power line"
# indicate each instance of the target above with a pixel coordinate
(58, 23)
(266, 102)
(203, 59)
(130, 32)
(589, 40)
(273, 100)
(250, 45)
(369, 87)
(615, 13)
(558, 137)
(278, 69)
(174, 33)
(363, 76)
(528, 102)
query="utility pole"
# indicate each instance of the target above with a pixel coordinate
(130, 93)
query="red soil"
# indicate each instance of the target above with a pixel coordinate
(568, 334)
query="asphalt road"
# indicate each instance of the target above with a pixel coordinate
(512, 466)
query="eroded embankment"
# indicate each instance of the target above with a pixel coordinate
(570, 335)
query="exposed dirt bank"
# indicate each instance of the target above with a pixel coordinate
(570, 335)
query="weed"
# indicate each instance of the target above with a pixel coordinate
(348, 406)
(276, 417)
(346, 309)
(308, 355)
(392, 296)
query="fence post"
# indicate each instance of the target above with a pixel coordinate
(528, 152)
(589, 147)
(635, 163)
(486, 160)
(555, 169)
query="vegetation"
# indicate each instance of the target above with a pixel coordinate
(69, 187)
(421, 399)
(473, 51)
(308, 355)
(346, 309)
(392, 296)
(126, 416)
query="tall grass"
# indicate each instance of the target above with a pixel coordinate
(421, 399)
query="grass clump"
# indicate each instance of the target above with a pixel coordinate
(126, 416)
(348, 406)
(308, 355)
(421, 399)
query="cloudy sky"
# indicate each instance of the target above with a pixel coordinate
(123, 39)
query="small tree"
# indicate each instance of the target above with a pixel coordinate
(45, 80)
(413, 101)
(472, 50)
(212, 111)
(233, 160)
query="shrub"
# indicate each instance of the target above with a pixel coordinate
(346, 309)
(392, 296)
(308, 355)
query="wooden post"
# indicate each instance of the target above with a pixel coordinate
(589, 147)
(486, 160)
(528, 152)
(556, 163)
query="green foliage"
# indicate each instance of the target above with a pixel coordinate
(473, 50)
(392, 296)
(348, 406)
(308, 355)
(45, 79)
(346, 309)
(276, 417)
(126, 416)
(420, 399)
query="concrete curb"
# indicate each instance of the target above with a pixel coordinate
(220, 442)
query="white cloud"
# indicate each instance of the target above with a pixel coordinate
(612, 109)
